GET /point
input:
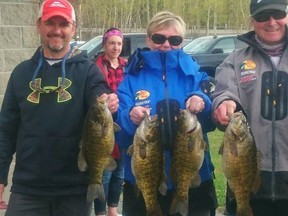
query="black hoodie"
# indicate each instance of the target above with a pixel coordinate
(44, 129)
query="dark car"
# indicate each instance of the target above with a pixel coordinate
(132, 41)
(210, 51)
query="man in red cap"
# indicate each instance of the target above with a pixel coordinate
(42, 117)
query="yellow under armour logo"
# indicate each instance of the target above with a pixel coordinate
(62, 94)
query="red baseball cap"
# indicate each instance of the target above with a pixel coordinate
(63, 8)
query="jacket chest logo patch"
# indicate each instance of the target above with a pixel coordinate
(248, 72)
(142, 95)
(62, 94)
(248, 65)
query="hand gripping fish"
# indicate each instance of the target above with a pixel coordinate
(187, 159)
(148, 164)
(96, 147)
(240, 162)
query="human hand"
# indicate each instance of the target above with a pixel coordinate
(195, 104)
(221, 114)
(113, 101)
(137, 114)
(3, 205)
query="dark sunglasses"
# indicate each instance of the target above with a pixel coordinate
(160, 39)
(265, 15)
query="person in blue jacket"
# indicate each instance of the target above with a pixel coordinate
(162, 80)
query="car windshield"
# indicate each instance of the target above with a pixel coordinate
(90, 45)
(198, 45)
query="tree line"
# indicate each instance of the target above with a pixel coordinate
(129, 15)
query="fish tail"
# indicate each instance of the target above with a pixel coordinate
(154, 211)
(82, 164)
(247, 211)
(111, 165)
(179, 205)
(95, 191)
(152, 206)
(163, 186)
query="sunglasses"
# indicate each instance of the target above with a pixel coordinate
(265, 15)
(160, 39)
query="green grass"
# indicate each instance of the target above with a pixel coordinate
(215, 140)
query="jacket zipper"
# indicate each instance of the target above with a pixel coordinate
(273, 148)
(164, 78)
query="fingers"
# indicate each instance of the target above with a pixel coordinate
(195, 104)
(103, 97)
(138, 113)
(221, 114)
(3, 204)
(112, 100)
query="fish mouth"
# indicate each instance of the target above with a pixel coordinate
(191, 130)
(153, 118)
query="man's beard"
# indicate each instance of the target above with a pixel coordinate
(56, 49)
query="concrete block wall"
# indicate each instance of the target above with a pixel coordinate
(18, 36)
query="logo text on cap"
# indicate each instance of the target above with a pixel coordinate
(57, 4)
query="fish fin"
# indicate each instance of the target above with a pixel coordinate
(143, 137)
(195, 182)
(179, 205)
(130, 150)
(204, 145)
(143, 151)
(163, 188)
(232, 144)
(257, 184)
(163, 185)
(233, 148)
(111, 165)
(230, 194)
(95, 191)
(82, 164)
(97, 128)
(116, 127)
(104, 131)
(191, 145)
(132, 167)
(220, 152)
(258, 155)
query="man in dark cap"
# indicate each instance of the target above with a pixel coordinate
(254, 80)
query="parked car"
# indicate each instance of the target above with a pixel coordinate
(186, 41)
(210, 51)
(132, 41)
(77, 43)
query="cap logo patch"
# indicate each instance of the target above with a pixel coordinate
(57, 4)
